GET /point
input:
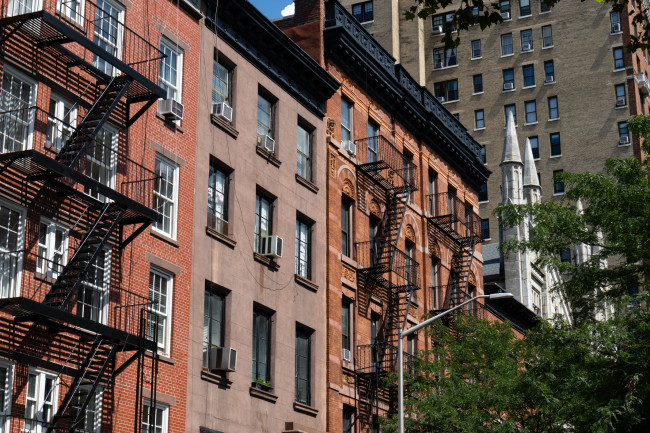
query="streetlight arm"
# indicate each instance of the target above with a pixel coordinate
(438, 316)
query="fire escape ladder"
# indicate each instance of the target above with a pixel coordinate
(69, 280)
(84, 385)
(94, 120)
(459, 277)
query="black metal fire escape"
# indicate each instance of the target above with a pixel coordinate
(384, 270)
(53, 40)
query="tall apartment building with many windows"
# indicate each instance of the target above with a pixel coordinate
(563, 72)
(96, 168)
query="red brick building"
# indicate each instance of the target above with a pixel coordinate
(97, 169)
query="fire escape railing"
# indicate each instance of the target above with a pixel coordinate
(381, 358)
(405, 268)
(393, 171)
(453, 216)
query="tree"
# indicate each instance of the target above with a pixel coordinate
(485, 14)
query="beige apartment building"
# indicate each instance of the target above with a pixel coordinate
(563, 72)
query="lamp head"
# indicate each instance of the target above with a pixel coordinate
(496, 296)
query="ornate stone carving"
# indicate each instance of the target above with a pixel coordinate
(375, 209)
(472, 279)
(410, 233)
(348, 273)
(331, 124)
(332, 164)
(348, 188)
(434, 250)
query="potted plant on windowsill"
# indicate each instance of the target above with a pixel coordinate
(262, 384)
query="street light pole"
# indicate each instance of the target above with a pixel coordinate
(406, 333)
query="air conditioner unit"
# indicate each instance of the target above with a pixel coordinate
(222, 359)
(620, 102)
(436, 30)
(549, 79)
(350, 146)
(272, 246)
(505, 15)
(221, 109)
(616, 27)
(508, 86)
(171, 108)
(441, 98)
(624, 139)
(526, 47)
(346, 355)
(266, 142)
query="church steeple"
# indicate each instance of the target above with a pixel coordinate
(511, 165)
(532, 189)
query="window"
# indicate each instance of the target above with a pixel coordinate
(265, 118)
(485, 228)
(52, 248)
(565, 255)
(556, 148)
(446, 90)
(615, 22)
(443, 58)
(19, 7)
(618, 58)
(504, 8)
(6, 386)
(558, 184)
(303, 365)
(303, 248)
(531, 111)
(160, 308)
(529, 75)
(92, 300)
(171, 69)
(91, 417)
(263, 220)
(508, 79)
(553, 111)
(483, 155)
(40, 400)
(476, 49)
(623, 136)
(346, 120)
(549, 72)
(409, 265)
(348, 419)
(433, 189)
(547, 36)
(154, 418)
(506, 44)
(218, 186)
(11, 242)
(101, 159)
(346, 226)
(511, 109)
(534, 145)
(543, 7)
(304, 152)
(373, 140)
(483, 193)
(435, 273)
(621, 99)
(61, 122)
(214, 316)
(478, 83)
(524, 8)
(363, 11)
(165, 195)
(261, 345)
(479, 119)
(443, 22)
(527, 40)
(346, 328)
(109, 29)
(18, 94)
(221, 83)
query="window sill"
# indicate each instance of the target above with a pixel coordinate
(224, 125)
(620, 107)
(525, 16)
(367, 22)
(619, 70)
(625, 145)
(545, 12)
(165, 238)
(445, 67)
(267, 261)
(306, 183)
(163, 357)
(617, 33)
(263, 395)
(171, 123)
(349, 261)
(555, 194)
(221, 237)
(476, 58)
(477, 93)
(507, 55)
(304, 408)
(548, 83)
(221, 380)
(548, 47)
(479, 129)
(508, 91)
(269, 156)
(449, 102)
(42, 277)
(530, 123)
(305, 283)
(555, 156)
(483, 201)
(554, 119)
(527, 51)
(529, 87)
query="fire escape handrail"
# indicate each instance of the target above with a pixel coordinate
(380, 358)
(449, 211)
(386, 156)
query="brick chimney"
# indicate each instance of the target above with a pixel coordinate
(305, 27)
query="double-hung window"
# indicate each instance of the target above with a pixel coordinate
(373, 141)
(504, 8)
(214, 314)
(346, 329)
(485, 229)
(61, 122)
(621, 98)
(529, 75)
(615, 22)
(363, 11)
(483, 155)
(476, 49)
(52, 248)
(511, 108)
(160, 308)
(101, 159)
(263, 219)
(478, 83)
(547, 36)
(165, 195)
(346, 226)
(12, 226)
(19, 7)
(534, 146)
(73, 9)
(543, 7)
(304, 152)
(506, 44)
(531, 112)
(218, 183)
(483, 193)
(303, 248)
(171, 69)
(549, 71)
(261, 346)
(508, 79)
(444, 57)
(556, 145)
(92, 300)
(524, 8)
(623, 135)
(553, 110)
(303, 365)
(155, 419)
(221, 83)
(618, 58)
(6, 386)
(443, 22)
(109, 29)
(446, 91)
(16, 118)
(265, 117)
(91, 418)
(346, 120)
(40, 400)
(527, 40)
(479, 119)
(558, 183)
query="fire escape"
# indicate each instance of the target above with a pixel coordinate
(385, 271)
(453, 224)
(70, 169)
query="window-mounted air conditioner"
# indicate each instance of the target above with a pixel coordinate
(221, 109)
(549, 79)
(620, 102)
(266, 142)
(222, 359)
(527, 47)
(624, 139)
(508, 86)
(505, 15)
(346, 355)
(616, 27)
(171, 108)
(436, 30)
(272, 246)
(441, 98)
(350, 146)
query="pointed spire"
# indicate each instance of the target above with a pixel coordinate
(530, 170)
(510, 143)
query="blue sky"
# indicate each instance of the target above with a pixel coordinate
(271, 8)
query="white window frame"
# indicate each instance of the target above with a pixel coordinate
(176, 89)
(119, 43)
(97, 421)
(5, 409)
(164, 425)
(40, 399)
(76, 15)
(49, 249)
(106, 167)
(103, 290)
(58, 129)
(14, 286)
(349, 129)
(173, 200)
(19, 7)
(28, 121)
(165, 343)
